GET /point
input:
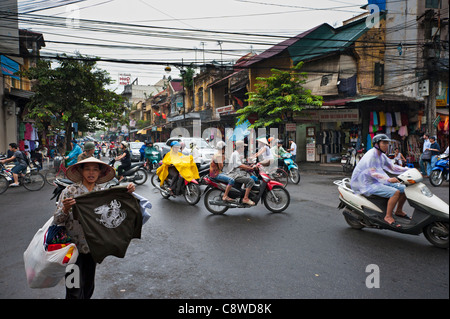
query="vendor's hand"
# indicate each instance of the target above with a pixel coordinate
(67, 204)
(393, 180)
(131, 188)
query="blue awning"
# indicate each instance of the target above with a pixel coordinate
(9, 67)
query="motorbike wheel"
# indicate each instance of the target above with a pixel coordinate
(212, 195)
(281, 176)
(436, 178)
(277, 200)
(143, 174)
(294, 176)
(155, 180)
(4, 184)
(194, 194)
(437, 234)
(355, 224)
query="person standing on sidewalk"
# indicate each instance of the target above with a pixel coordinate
(292, 149)
(435, 151)
(426, 145)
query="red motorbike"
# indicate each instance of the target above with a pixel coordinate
(275, 196)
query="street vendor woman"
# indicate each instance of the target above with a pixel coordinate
(86, 175)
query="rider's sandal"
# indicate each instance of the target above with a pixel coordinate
(227, 199)
(249, 202)
(395, 224)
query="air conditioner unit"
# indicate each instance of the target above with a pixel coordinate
(424, 88)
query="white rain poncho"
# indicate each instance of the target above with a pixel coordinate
(371, 172)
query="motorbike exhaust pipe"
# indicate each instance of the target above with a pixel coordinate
(222, 203)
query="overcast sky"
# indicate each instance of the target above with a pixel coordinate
(122, 39)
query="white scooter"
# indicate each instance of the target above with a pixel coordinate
(430, 214)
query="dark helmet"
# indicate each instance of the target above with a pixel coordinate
(380, 137)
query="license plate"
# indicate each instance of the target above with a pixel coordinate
(343, 161)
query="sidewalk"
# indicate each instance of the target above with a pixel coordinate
(321, 168)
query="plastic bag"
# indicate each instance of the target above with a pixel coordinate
(46, 268)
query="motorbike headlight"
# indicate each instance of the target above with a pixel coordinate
(426, 191)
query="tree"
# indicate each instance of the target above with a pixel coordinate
(73, 92)
(278, 97)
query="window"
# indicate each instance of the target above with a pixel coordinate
(200, 96)
(326, 79)
(432, 4)
(379, 74)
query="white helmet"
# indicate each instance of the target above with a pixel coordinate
(124, 144)
(220, 145)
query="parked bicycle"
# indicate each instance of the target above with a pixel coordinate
(58, 171)
(31, 180)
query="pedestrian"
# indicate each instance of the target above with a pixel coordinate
(292, 149)
(86, 175)
(435, 151)
(399, 159)
(423, 161)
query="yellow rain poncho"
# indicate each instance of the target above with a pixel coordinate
(183, 163)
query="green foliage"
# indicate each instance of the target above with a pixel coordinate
(73, 92)
(277, 97)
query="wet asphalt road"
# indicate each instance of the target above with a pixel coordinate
(307, 252)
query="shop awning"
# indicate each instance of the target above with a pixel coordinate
(364, 98)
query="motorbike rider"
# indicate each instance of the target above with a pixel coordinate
(148, 153)
(178, 166)
(264, 152)
(73, 155)
(19, 161)
(216, 167)
(125, 159)
(237, 171)
(278, 152)
(369, 178)
(88, 151)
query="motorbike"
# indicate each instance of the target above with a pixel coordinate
(292, 168)
(430, 215)
(60, 185)
(136, 174)
(440, 171)
(104, 149)
(203, 170)
(275, 196)
(190, 190)
(154, 161)
(352, 158)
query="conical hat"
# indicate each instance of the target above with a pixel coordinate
(263, 140)
(74, 171)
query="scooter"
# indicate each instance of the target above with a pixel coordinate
(440, 171)
(136, 174)
(189, 189)
(275, 196)
(430, 215)
(292, 168)
(352, 158)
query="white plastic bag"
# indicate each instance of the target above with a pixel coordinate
(43, 268)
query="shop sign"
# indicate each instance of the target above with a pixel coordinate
(291, 127)
(224, 110)
(311, 152)
(340, 115)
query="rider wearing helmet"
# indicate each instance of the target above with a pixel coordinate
(369, 178)
(215, 169)
(125, 159)
(88, 151)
